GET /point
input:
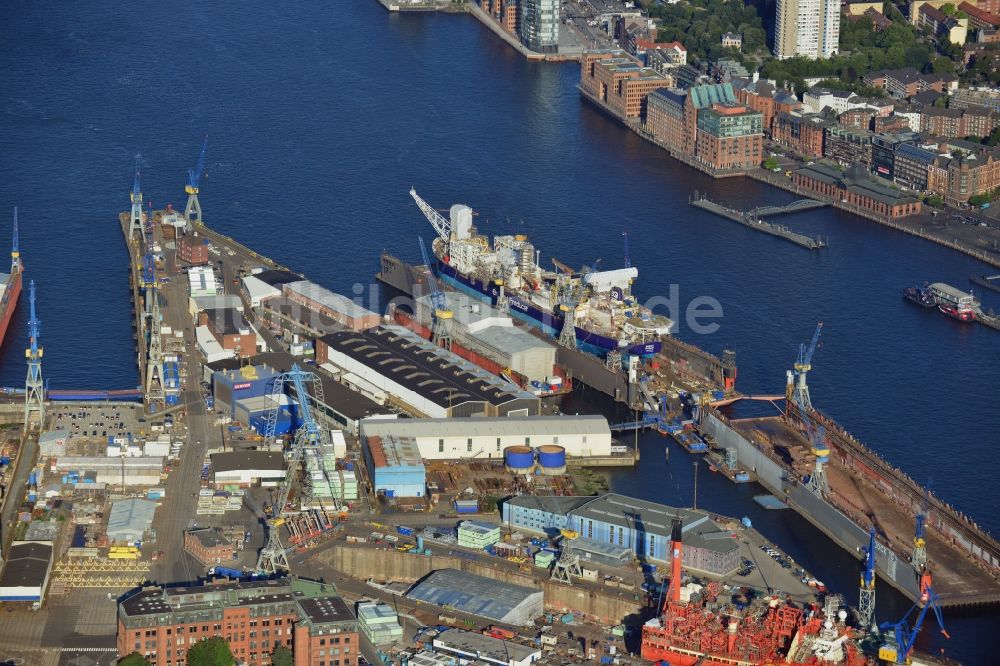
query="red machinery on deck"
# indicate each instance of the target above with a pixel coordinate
(711, 632)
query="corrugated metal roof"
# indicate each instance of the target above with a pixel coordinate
(469, 593)
(715, 93)
(328, 299)
(489, 425)
(130, 518)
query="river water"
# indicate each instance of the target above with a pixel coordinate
(321, 116)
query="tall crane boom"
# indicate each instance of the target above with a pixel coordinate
(441, 329)
(440, 223)
(15, 253)
(437, 296)
(866, 596)
(806, 353)
(628, 262)
(194, 175)
(904, 635)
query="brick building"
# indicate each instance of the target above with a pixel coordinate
(958, 123)
(209, 546)
(857, 118)
(765, 98)
(730, 136)
(979, 18)
(969, 171)
(911, 166)
(848, 146)
(856, 187)
(619, 83)
(230, 329)
(665, 118)
(804, 134)
(907, 82)
(193, 249)
(254, 617)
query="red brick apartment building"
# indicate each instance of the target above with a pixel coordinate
(254, 617)
(802, 133)
(958, 123)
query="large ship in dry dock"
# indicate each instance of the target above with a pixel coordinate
(917, 531)
(596, 307)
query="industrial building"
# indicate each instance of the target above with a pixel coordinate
(379, 623)
(477, 534)
(307, 617)
(130, 520)
(642, 527)
(340, 406)
(326, 304)
(231, 330)
(128, 471)
(259, 287)
(202, 282)
(209, 346)
(395, 467)
(25, 575)
(468, 645)
(480, 596)
(486, 437)
(427, 378)
(482, 329)
(52, 443)
(248, 468)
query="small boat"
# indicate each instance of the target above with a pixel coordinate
(957, 312)
(922, 296)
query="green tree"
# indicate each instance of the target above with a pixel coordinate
(210, 652)
(935, 200)
(134, 659)
(994, 137)
(770, 164)
(282, 656)
(948, 9)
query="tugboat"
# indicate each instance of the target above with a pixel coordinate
(958, 312)
(922, 296)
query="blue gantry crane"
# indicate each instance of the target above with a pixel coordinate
(898, 645)
(441, 316)
(307, 445)
(866, 596)
(192, 212)
(135, 218)
(34, 389)
(797, 387)
(919, 555)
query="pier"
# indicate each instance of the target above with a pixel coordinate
(752, 219)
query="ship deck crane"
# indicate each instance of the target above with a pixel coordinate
(442, 316)
(308, 438)
(440, 223)
(897, 650)
(628, 261)
(15, 253)
(866, 596)
(193, 207)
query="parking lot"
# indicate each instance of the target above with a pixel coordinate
(98, 423)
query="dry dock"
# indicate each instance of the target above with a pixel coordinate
(867, 491)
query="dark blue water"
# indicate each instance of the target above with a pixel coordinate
(320, 118)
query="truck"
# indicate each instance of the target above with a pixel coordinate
(405, 531)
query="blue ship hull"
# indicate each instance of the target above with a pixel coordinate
(548, 322)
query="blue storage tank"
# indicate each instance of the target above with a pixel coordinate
(519, 459)
(552, 459)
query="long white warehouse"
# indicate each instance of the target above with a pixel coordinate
(487, 437)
